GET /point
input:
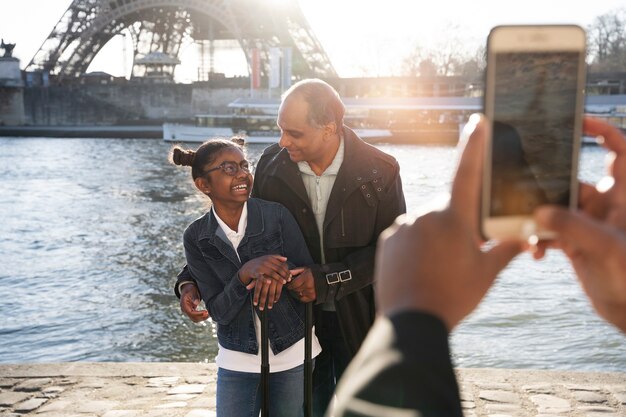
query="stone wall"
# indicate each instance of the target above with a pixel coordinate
(123, 104)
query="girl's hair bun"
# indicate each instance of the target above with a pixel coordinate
(183, 157)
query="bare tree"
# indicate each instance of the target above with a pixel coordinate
(607, 41)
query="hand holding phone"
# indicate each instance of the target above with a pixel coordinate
(534, 100)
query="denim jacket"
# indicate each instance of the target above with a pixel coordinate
(214, 266)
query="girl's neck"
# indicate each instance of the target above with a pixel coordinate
(230, 214)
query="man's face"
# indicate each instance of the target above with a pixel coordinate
(303, 141)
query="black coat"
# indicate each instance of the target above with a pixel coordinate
(366, 198)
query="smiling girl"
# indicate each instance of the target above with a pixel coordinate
(241, 253)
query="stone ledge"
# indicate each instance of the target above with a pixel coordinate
(121, 389)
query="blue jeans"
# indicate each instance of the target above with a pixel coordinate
(239, 393)
(330, 364)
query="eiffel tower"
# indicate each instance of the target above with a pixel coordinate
(163, 25)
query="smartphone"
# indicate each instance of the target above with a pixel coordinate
(534, 94)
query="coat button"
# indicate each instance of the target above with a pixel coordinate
(358, 178)
(369, 195)
(374, 171)
(362, 187)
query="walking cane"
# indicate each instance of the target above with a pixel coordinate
(265, 366)
(308, 363)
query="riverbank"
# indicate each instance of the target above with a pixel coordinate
(121, 131)
(83, 389)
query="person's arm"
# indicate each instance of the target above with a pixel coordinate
(222, 301)
(594, 237)
(403, 365)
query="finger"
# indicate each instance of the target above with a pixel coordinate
(613, 138)
(278, 292)
(263, 294)
(293, 273)
(198, 316)
(467, 181)
(575, 228)
(276, 270)
(296, 285)
(257, 293)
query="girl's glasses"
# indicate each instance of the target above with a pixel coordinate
(231, 168)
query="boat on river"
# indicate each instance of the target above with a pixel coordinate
(410, 120)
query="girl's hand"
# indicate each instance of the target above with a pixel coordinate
(272, 267)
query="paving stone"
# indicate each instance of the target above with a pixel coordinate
(539, 388)
(200, 380)
(468, 405)
(187, 389)
(52, 392)
(589, 397)
(494, 386)
(67, 381)
(143, 403)
(499, 396)
(503, 407)
(180, 397)
(93, 383)
(134, 381)
(201, 413)
(63, 414)
(97, 407)
(203, 401)
(30, 405)
(8, 382)
(8, 399)
(621, 397)
(57, 405)
(122, 413)
(177, 404)
(32, 385)
(466, 393)
(597, 408)
(581, 387)
(168, 381)
(550, 403)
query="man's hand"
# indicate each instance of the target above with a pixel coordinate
(594, 238)
(435, 263)
(302, 286)
(189, 301)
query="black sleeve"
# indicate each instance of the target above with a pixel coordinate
(404, 364)
(183, 275)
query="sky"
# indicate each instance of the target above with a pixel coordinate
(361, 37)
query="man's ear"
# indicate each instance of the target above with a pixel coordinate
(203, 185)
(330, 129)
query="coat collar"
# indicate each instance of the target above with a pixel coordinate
(255, 223)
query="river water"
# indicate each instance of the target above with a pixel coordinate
(90, 243)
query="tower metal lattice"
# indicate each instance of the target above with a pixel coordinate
(162, 25)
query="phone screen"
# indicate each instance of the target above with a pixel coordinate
(533, 130)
